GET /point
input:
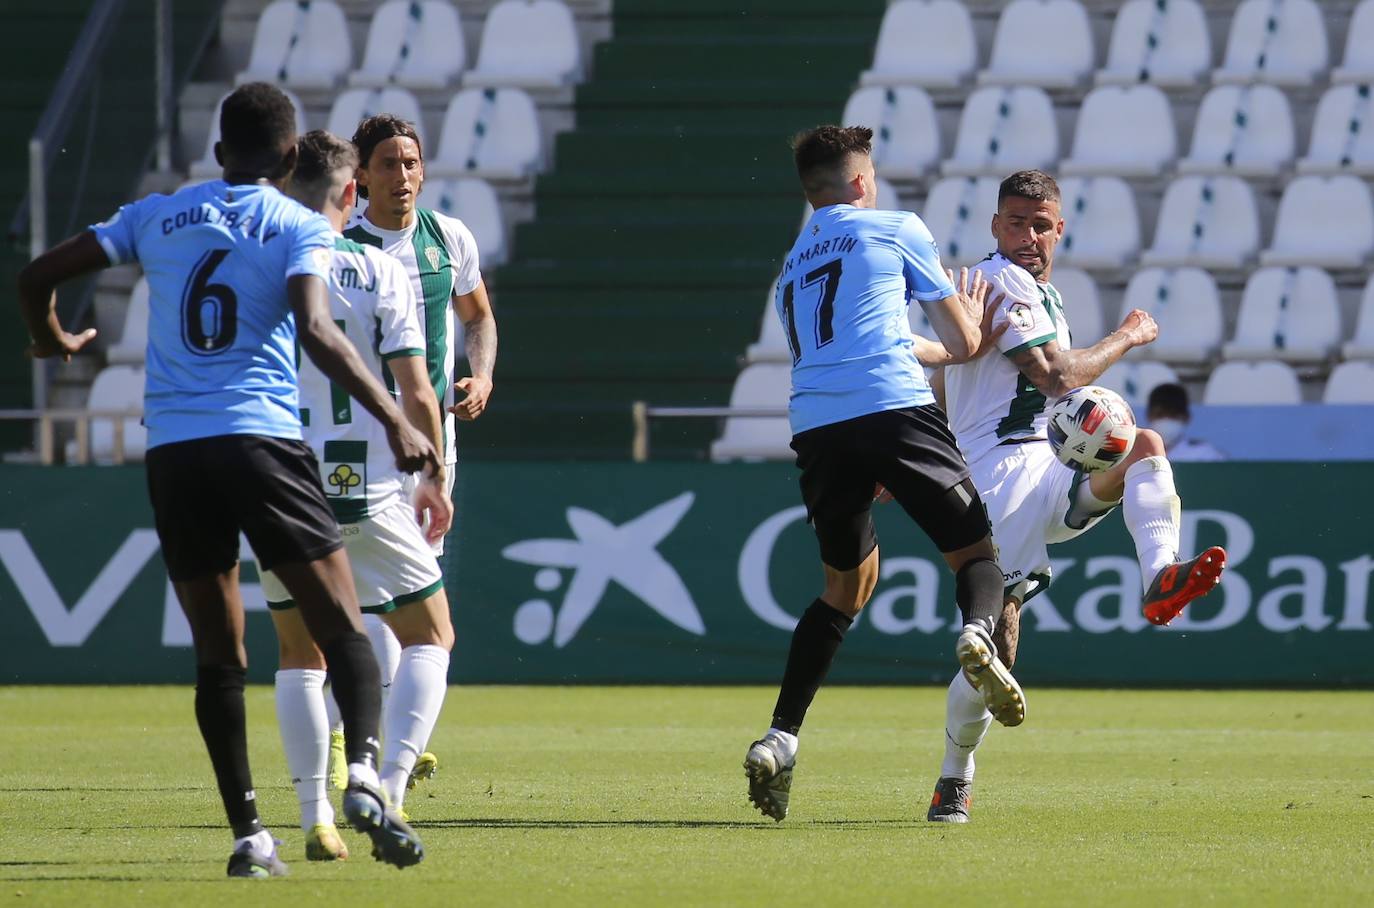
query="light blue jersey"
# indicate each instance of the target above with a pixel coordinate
(842, 297)
(221, 356)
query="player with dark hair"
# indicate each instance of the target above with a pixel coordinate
(229, 263)
(998, 407)
(864, 418)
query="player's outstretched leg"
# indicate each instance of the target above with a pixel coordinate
(978, 589)
(1182, 582)
(966, 723)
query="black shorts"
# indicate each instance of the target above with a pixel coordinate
(912, 453)
(207, 490)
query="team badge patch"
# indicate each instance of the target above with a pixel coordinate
(432, 254)
(1020, 315)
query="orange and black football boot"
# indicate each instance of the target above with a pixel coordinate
(1182, 582)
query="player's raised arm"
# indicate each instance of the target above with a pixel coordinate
(1055, 371)
(37, 282)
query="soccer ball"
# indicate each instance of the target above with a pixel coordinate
(1091, 429)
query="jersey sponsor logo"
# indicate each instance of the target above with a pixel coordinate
(343, 480)
(1021, 316)
(432, 256)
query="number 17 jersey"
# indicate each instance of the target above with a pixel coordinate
(842, 298)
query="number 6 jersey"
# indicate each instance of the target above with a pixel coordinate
(842, 297)
(221, 356)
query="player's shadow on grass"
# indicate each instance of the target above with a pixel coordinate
(647, 823)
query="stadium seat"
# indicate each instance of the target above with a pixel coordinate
(527, 44)
(1361, 346)
(761, 386)
(1166, 44)
(116, 388)
(1358, 65)
(1278, 41)
(1323, 221)
(412, 43)
(1061, 55)
(132, 346)
(906, 135)
(771, 346)
(357, 104)
(924, 42)
(959, 213)
(1185, 304)
(1135, 381)
(1288, 314)
(1208, 221)
(302, 44)
(1002, 130)
(207, 168)
(1350, 383)
(1245, 130)
(1101, 225)
(1343, 132)
(1128, 131)
(474, 203)
(1082, 306)
(488, 132)
(1239, 384)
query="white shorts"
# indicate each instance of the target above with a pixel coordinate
(1033, 501)
(412, 480)
(392, 562)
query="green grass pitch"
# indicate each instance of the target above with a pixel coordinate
(635, 796)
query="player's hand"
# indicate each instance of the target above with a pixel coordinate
(412, 449)
(971, 296)
(61, 344)
(433, 504)
(478, 389)
(1139, 326)
(881, 495)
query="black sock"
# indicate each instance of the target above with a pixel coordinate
(818, 635)
(978, 589)
(357, 684)
(220, 715)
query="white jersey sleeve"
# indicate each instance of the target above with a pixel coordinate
(462, 249)
(398, 314)
(1029, 323)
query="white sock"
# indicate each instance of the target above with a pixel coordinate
(364, 774)
(786, 743)
(387, 649)
(1151, 510)
(304, 724)
(416, 698)
(261, 840)
(966, 722)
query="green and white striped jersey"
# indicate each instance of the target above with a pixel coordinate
(439, 255)
(989, 400)
(372, 302)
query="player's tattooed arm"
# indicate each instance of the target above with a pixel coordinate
(479, 331)
(37, 282)
(1055, 371)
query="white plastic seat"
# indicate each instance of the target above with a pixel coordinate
(1288, 314)
(357, 104)
(1135, 380)
(771, 346)
(1289, 50)
(207, 168)
(412, 43)
(1343, 132)
(118, 389)
(527, 44)
(906, 135)
(1082, 305)
(1358, 65)
(1101, 225)
(1208, 221)
(132, 346)
(1128, 131)
(474, 203)
(1323, 221)
(491, 133)
(1245, 130)
(1350, 383)
(1060, 56)
(1169, 47)
(1185, 304)
(924, 42)
(761, 386)
(1002, 130)
(1361, 346)
(302, 45)
(959, 213)
(1266, 383)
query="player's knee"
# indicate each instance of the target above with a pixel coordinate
(1148, 443)
(848, 591)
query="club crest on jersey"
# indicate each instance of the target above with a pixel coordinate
(432, 254)
(1020, 316)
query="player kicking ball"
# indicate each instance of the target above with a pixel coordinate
(863, 415)
(998, 408)
(396, 572)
